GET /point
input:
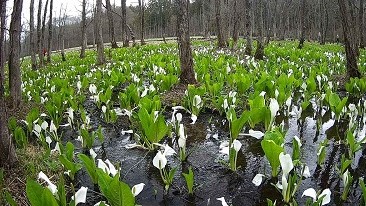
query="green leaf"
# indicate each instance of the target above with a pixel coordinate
(189, 177)
(272, 152)
(117, 193)
(39, 196)
(90, 166)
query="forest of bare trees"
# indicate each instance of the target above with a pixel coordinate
(315, 20)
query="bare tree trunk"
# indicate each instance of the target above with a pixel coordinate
(142, 20)
(205, 19)
(39, 33)
(50, 34)
(7, 151)
(14, 54)
(43, 50)
(302, 24)
(184, 43)
(322, 22)
(220, 34)
(352, 68)
(124, 24)
(275, 17)
(235, 25)
(362, 28)
(2, 44)
(248, 27)
(83, 30)
(259, 53)
(99, 33)
(8, 156)
(132, 34)
(62, 22)
(111, 24)
(268, 22)
(31, 36)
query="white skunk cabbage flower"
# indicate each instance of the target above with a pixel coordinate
(274, 107)
(182, 137)
(312, 193)
(92, 89)
(286, 163)
(179, 117)
(257, 180)
(254, 133)
(137, 189)
(37, 130)
(223, 202)
(236, 145)
(92, 153)
(194, 119)
(104, 109)
(160, 160)
(52, 187)
(306, 173)
(80, 195)
(197, 101)
(44, 125)
(107, 167)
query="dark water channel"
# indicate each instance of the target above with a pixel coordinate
(212, 178)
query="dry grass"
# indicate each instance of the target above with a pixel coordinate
(31, 161)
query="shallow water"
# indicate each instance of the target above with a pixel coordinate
(212, 178)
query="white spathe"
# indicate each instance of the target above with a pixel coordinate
(286, 163)
(137, 189)
(160, 160)
(236, 145)
(223, 202)
(92, 153)
(254, 133)
(194, 119)
(257, 180)
(80, 195)
(52, 187)
(312, 193)
(112, 169)
(306, 173)
(274, 107)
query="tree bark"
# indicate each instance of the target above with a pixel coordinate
(132, 34)
(62, 23)
(352, 68)
(39, 33)
(14, 53)
(302, 24)
(362, 28)
(2, 44)
(220, 34)
(41, 62)
(49, 49)
(185, 51)
(259, 53)
(31, 36)
(111, 24)
(8, 156)
(248, 27)
(142, 20)
(99, 34)
(124, 24)
(235, 25)
(83, 30)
